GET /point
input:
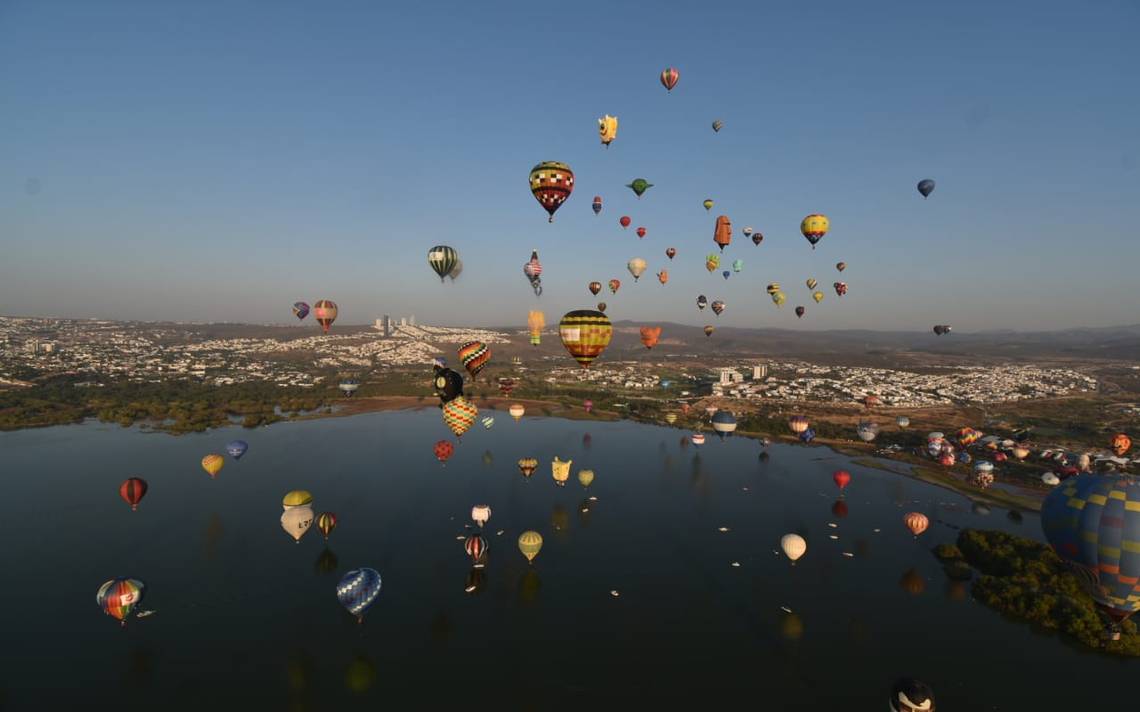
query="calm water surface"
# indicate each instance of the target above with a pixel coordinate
(247, 618)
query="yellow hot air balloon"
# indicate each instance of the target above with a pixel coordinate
(708, 203)
(535, 321)
(297, 498)
(817, 296)
(811, 283)
(530, 543)
(560, 471)
(212, 464)
(636, 266)
(296, 521)
(517, 410)
(779, 298)
(814, 227)
(607, 129)
(670, 418)
(585, 477)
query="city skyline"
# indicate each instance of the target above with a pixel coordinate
(206, 164)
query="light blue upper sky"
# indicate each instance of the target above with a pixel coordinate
(220, 160)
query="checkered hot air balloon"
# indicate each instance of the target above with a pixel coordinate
(585, 333)
(459, 415)
(551, 183)
(474, 355)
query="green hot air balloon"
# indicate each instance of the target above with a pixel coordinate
(639, 186)
(443, 260)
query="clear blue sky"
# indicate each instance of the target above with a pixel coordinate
(219, 160)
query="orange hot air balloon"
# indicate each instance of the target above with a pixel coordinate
(615, 284)
(325, 312)
(212, 464)
(650, 335)
(722, 236)
(1121, 443)
(663, 276)
(916, 522)
(669, 78)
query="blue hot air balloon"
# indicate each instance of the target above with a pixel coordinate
(358, 590)
(300, 310)
(237, 448)
(1092, 521)
(808, 435)
(726, 274)
(724, 423)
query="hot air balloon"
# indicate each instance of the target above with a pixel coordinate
(212, 464)
(527, 466)
(607, 129)
(296, 521)
(808, 435)
(708, 203)
(670, 418)
(737, 265)
(916, 522)
(794, 546)
(909, 695)
(926, 187)
(798, 423)
(615, 285)
(811, 283)
(726, 274)
(1120, 444)
(530, 543)
(588, 406)
(625, 220)
(119, 597)
(594, 288)
(448, 384)
(779, 298)
(902, 421)
(551, 183)
(663, 276)
(670, 252)
(983, 474)
(326, 522)
(296, 498)
(300, 310)
(535, 321)
(867, 430)
(132, 491)
(702, 302)
(325, 313)
(585, 334)
(1091, 523)
(724, 423)
(358, 590)
(481, 514)
(456, 270)
(814, 227)
(839, 508)
(459, 414)
(870, 401)
(506, 385)
(474, 355)
(488, 421)
(722, 233)
(585, 477)
(840, 266)
(641, 232)
(476, 547)
(773, 287)
(650, 335)
(602, 307)
(800, 311)
(636, 266)
(717, 125)
(236, 448)
(842, 478)
(560, 470)
(709, 329)
(517, 410)
(597, 204)
(757, 238)
(817, 296)
(712, 261)
(940, 329)
(639, 186)
(533, 272)
(840, 288)
(443, 259)
(349, 385)
(718, 307)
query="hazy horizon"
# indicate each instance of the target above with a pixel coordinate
(212, 163)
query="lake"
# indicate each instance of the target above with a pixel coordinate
(247, 618)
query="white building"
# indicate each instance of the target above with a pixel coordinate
(730, 375)
(759, 372)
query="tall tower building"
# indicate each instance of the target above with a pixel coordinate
(412, 320)
(759, 371)
(387, 325)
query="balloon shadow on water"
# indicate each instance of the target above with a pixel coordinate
(912, 582)
(476, 581)
(529, 586)
(214, 533)
(584, 512)
(442, 628)
(140, 672)
(560, 521)
(360, 674)
(326, 563)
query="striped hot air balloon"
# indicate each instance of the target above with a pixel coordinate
(132, 491)
(326, 522)
(535, 322)
(476, 547)
(551, 183)
(325, 312)
(585, 333)
(459, 414)
(119, 596)
(669, 78)
(442, 260)
(530, 543)
(358, 590)
(527, 466)
(474, 355)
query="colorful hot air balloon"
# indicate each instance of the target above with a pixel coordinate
(794, 546)
(817, 296)
(607, 129)
(551, 183)
(358, 590)
(798, 424)
(481, 514)
(588, 405)
(712, 261)
(724, 423)
(722, 233)
(597, 204)
(670, 252)
(119, 597)
(1092, 522)
(326, 522)
(527, 466)
(474, 355)
(459, 415)
(476, 547)
(717, 125)
(842, 478)
(560, 471)
(132, 491)
(669, 78)
(296, 521)
(650, 335)
(533, 272)
(702, 302)
(236, 448)
(718, 307)
(916, 522)
(926, 187)
(641, 232)
(585, 334)
(535, 321)
(636, 266)
(814, 227)
(840, 288)
(594, 287)
(697, 439)
(530, 543)
(800, 311)
(517, 410)
(506, 385)
(300, 310)
(639, 186)
(840, 266)
(213, 464)
(325, 313)
(1120, 444)
(625, 220)
(443, 259)
(663, 276)
(709, 329)
(615, 285)
(296, 498)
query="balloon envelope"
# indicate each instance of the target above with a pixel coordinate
(358, 590)
(793, 545)
(237, 448)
